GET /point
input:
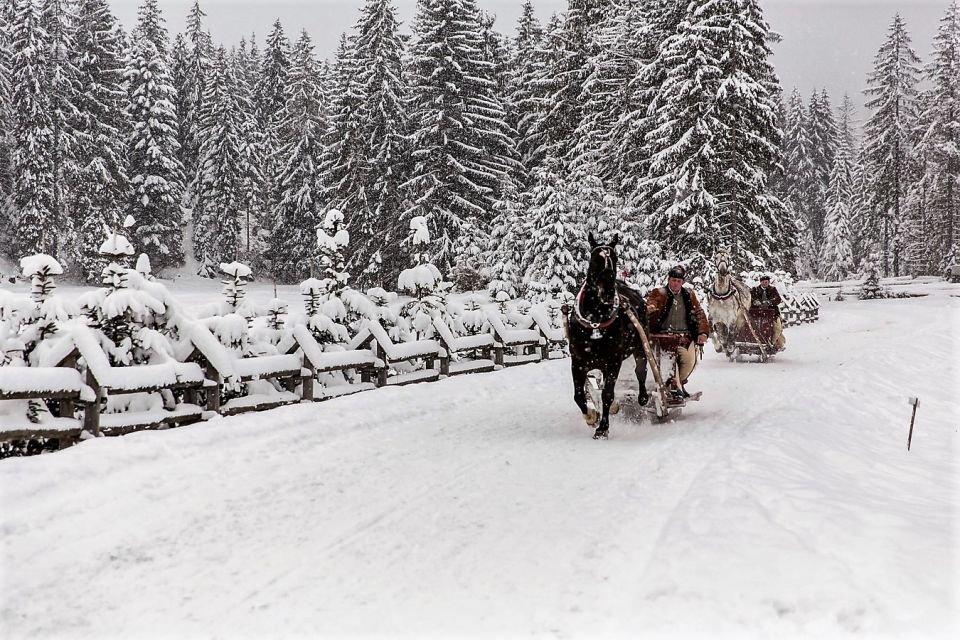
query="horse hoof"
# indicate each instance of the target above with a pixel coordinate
(601, 434)
(591, 418)
(615, 407)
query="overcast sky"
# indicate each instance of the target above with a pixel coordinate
(826, 43)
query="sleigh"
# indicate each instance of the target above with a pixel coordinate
(662, 405)
(756, 337)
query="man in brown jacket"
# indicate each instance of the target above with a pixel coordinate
(674, 309)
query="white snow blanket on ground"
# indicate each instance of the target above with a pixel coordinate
(782, 505)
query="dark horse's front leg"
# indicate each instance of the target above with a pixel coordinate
(579, 370)
(610, 375)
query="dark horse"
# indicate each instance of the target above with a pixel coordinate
(600, 332)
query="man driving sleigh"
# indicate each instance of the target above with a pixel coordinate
(675, 310)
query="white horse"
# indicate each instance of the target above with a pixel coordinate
(728, 306)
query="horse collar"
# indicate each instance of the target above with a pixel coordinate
(722, 296)
(596, 326)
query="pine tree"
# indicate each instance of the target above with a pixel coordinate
(59, 24)
(940, 142)
(837, 255)
(226, 172)
(270, 101)
(150, 26)
(892, 87)
(603, 95)
(822, 135)
(156, 175)
(199, 53)
(629, 157)
(462, 145)
(555, 236)
(569, 71)
(375, 100)
(32, 159)
(7, 226)
(98, 189)
(716, 139)
(250, 139)
(525, 66)
(300, 180)
(799, 180)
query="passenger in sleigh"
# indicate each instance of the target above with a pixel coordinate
(675, 309)
(765, 297)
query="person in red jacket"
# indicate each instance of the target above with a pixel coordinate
(676, 309)
(766, 296)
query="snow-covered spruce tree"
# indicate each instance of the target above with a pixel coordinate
(379, 85)
(249, 174)
(505, 245)
(555, 237)
(919, 227)
(332, 241)
(297, 211)
(568, 68)
(871, 288)
(892, 91)
(462, 147)
(524, 95)
(822, 135)
(423, 283)
(227, 174)
(627, 157)
(199, 60)
(43, 318)
(343, 159)
(799, 179)
(156, 175)
(126, 319)
(59, 23)
(270, 98)
(716, 139)
(940, 143)
(38, 224)
(99, 183)
(7, 16)
(150, 26)
(324, 328)
(837, 255)
(618, 42)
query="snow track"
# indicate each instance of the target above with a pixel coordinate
(784, 504)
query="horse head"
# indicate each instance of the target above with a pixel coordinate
(722, 260)
(602, 270)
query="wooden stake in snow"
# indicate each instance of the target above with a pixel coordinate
(916, 403)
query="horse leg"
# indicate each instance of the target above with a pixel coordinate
(718, 337)
(640, 367)
(579, 372)
(609, 393)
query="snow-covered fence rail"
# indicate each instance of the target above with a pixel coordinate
(149, 402)
(455, 346)
(373, 334)
(25, 385)
(337, 359)
(259, 382)
(524, 345)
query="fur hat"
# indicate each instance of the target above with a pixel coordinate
(677, 271)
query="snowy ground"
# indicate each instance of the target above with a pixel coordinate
(784, 504)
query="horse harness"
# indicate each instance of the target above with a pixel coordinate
(596, 326)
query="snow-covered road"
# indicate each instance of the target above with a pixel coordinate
(784, 504)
